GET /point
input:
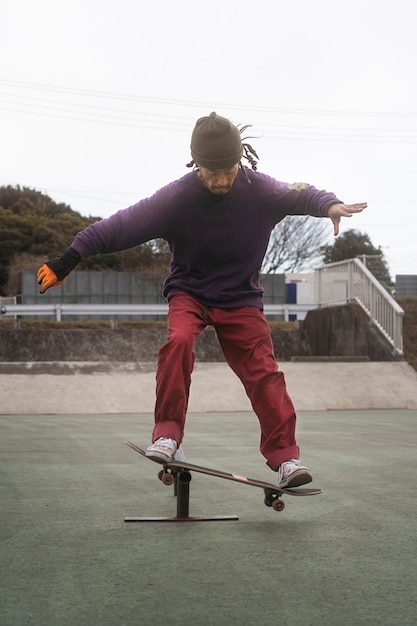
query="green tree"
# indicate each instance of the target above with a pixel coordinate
(32, 223)
(354, 244)
(34, 228)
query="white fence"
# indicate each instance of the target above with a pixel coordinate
(351, 281)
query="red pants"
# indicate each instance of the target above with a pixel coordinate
(245, 338)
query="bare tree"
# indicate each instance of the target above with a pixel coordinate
(296, 244)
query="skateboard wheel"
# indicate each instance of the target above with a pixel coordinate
(268, 502)
(167, 478)
(278, 505)
(160, 474)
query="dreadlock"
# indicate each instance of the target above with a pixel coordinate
(249, 152)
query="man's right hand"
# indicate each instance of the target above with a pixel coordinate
(55, 272)
(47, 276)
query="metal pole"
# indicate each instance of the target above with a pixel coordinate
(183, 493)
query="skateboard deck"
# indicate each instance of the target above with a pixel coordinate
(272, 493)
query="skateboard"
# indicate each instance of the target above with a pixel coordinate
(180, 472)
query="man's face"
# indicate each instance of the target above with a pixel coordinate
(218, 182)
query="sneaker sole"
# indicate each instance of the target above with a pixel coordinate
(159, 456)
(298, 478)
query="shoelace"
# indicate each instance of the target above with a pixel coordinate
(289, 466)
(167, 444)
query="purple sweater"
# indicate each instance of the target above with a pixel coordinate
(217, 242)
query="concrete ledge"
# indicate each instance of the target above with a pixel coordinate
(72, 368)
(35, 388)
(329, 359)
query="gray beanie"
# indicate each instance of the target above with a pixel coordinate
(216, 143)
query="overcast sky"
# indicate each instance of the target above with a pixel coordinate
(98, 99)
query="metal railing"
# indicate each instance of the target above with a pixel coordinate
(58, 311)
(351, 281)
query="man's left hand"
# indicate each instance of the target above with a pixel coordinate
(337, 211)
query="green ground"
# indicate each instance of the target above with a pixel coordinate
(347, 557)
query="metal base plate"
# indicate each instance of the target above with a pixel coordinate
(213, 518)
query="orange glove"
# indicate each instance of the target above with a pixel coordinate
(47, 278)
(55, 272)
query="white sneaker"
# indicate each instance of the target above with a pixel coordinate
(292, 474)
(162, 450)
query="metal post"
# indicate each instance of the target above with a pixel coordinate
(183, 479)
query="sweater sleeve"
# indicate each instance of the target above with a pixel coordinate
(148, 219)
(304, 199)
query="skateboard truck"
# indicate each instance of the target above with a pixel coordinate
(181, 478)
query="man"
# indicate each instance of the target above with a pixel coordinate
(217, 220)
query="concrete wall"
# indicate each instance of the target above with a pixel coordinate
(405, 285)
(341, 331)
(138, 344)
(344, 331)
(121, 287)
